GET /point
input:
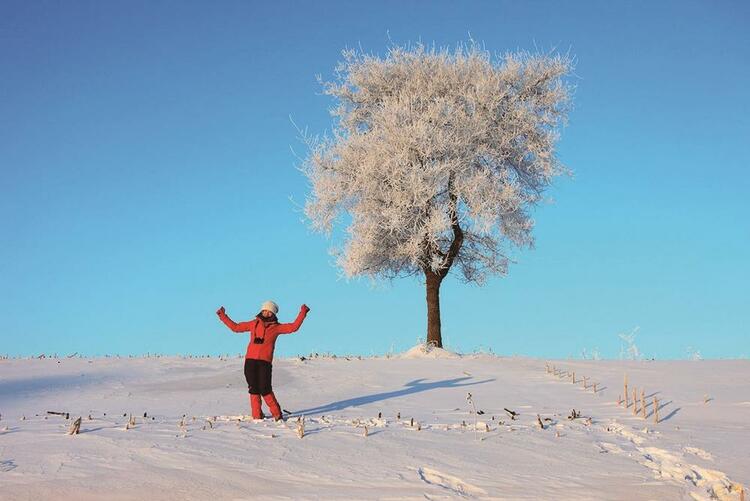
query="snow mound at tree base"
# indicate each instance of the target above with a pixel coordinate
(426, 350)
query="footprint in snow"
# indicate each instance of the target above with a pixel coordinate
(7, 465)
(699, 452)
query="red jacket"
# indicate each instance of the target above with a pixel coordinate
(268, 331)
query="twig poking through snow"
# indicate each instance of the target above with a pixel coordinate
(574, 414)
(513, 415)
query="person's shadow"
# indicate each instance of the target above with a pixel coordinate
(416, 386)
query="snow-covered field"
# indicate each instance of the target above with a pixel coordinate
(437, 449)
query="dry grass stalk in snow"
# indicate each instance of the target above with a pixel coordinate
(573, 375)
(594, 387)
(539, 422)
(635, 402)
(656, 411)
(585, 383)
(75, 428)
(643, 403)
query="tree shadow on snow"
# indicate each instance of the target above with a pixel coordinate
(410, 388)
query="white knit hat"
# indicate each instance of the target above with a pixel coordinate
(270, 306)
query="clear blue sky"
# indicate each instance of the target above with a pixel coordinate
(146, 178)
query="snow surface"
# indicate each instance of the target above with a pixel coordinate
(698, 450)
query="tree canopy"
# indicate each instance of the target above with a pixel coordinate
(438, 156)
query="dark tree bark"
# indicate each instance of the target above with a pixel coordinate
(434, 334)
(434, 279)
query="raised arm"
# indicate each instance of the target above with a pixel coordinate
(289, 328)
(236, 327)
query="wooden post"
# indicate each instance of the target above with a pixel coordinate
(656, 410)
(643, 403)
(626, 390)
(635, 403)
(301, 426)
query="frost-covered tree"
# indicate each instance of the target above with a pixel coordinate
(437, 156)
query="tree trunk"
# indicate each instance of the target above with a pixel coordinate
(434, 335)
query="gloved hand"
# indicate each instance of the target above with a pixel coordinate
(304, 308)
(220, 311)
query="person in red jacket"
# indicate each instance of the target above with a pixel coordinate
(264, 329)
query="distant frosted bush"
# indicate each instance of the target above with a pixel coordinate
(628, 349)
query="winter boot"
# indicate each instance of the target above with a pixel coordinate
(273, 405)
(255, 406)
